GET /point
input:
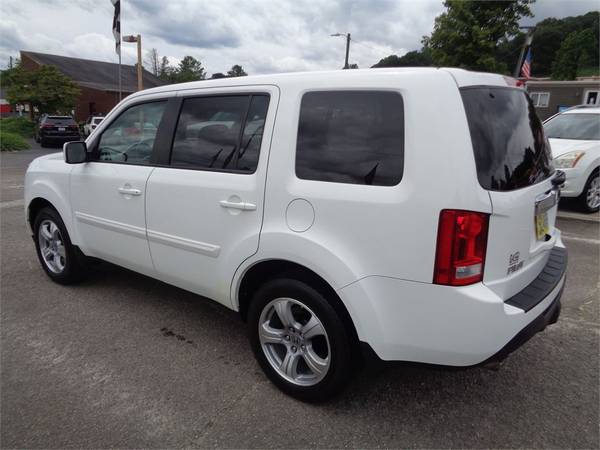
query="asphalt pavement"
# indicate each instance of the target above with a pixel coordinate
(125, 361)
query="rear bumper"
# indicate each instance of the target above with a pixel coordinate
(548, 317)
(61, 138)
(451, 326)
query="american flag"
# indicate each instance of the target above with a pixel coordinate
(526, 67)
(116, 28)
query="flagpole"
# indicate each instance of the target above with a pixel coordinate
(120, 90)
(120, 34)
(116, 29)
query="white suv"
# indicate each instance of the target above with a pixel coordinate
(407, 214)
(91, 124)
(574, 136)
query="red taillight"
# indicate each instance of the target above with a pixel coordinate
(47, 126)
(461, 245)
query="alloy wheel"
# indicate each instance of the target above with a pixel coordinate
(294, 341)
(593, 193)
(52, 247)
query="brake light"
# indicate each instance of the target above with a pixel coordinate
(461, 247)
(47, 126)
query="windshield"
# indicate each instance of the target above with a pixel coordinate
(510, 149)
(583, 126)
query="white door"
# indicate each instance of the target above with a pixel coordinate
(108, 193)
(204, 211)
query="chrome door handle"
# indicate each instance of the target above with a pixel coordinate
(129, 191)
(244, 206)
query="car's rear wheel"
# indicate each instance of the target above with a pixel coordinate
(589, 200)
(43, 142)
(299, 340)
(60, 259)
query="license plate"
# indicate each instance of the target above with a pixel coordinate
(541, 226)
(61, 128)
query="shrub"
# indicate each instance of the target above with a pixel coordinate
(18, 125)
(12, 142)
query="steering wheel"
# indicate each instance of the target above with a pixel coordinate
(107, 154)
(139, 151)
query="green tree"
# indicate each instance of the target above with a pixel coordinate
(236, 71)
(468, 34)
(575, 53)
(549, 35)
(165, 70)
(47, 89)
(415, 58)
(189, 69)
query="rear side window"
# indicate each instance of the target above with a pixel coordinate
(511, 151)
(220, 133)
(351, 137)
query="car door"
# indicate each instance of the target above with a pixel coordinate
(108, 193)
(204, 207)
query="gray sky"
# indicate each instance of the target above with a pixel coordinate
(262, 35)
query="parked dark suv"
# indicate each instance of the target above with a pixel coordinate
(56, 130)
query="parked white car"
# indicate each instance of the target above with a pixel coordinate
(91, 124)
(406, 214)
(574, 137)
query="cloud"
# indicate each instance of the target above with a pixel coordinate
(261, 35)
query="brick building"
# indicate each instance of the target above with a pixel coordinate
(97, 80)
(551, 96)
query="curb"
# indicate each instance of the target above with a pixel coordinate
(568, 215)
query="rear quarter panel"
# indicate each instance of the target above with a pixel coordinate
(358, 230)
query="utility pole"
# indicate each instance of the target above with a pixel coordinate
(138, 39)
(346, 65)
(526, 45)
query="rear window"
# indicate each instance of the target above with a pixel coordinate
(59, 120)
(97, 121)
(583, 126)
(351, 137)
(511, 151)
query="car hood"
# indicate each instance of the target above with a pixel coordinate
(561, 146)
(50, 157)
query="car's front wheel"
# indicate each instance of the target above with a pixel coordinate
(60, 259)
(590, 197)
(299, 340)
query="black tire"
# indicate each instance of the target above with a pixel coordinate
(43, 143)
(583, 198)
(340, 345)
(74, 264)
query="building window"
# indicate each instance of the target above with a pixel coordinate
(592, 98)
(351, 137)
(540, 99)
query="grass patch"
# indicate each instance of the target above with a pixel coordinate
(10, 142)
(17, 125)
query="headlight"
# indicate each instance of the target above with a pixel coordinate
(568, 160)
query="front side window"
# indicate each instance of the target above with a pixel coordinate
(351, 137)
(130, 138)
(208, 132)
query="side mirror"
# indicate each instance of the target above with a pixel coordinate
(75, 152)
